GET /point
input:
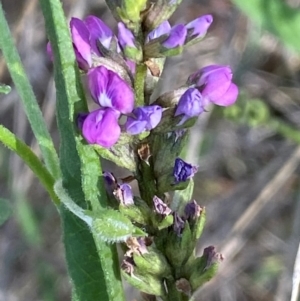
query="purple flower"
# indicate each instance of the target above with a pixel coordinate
(214, 83)
(109, 90)
(192, 210)
(163, 28)
(99, 31)
(124, 194)
(81, 42)
(198, 27)
(176, 37)
(160, 207)
(144, 119)
(190, 105)
(183, 171)
(101, 127)
(125, 36)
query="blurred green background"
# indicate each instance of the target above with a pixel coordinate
(248, 154)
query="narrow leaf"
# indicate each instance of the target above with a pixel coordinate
(30, 103)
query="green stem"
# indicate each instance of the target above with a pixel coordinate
(286, 130)
(30, 104)
(139, 84)
(30, 159)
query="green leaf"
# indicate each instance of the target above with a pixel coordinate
(277, 17)
(182, 197)
(112, 226)
(92, 264)
(30, 103)
(5, 211)
(4, 89)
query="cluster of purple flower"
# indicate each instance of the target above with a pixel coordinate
(114, 94)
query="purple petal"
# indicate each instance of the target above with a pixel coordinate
(125, 195)
(229, 97)
(143, 119)
(160, 207)
(176, 37)
(101, 127)
(81, 40)
(135, 126)
(109, 90)
(125, 36)
(190, 105)
(213, 82)
(183, 171)
(192, 210)
(131, 65)
(200, 25)
(162, 29)
(98, 31)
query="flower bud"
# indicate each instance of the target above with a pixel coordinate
(183, 171)
(124, 195)
(205, 267)
(145, 283)
(214, 83)
(128, 43)
(197, 29)
(153, 262)
(101, 127)
(190, 105)
(168, 44)
(144, 119)
(109, 90)
(99, 32)
(130, 10)
(196, 216)
(160, 207)
(178, 249)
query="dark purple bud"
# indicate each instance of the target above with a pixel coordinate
(190, 105)
(212, 256)
(192, 210)
(81, 41)
(178, 225)
(176, 37)
(101, 127)
(160, 207)
(124, 194)
(214, 83)
(109, 90)
(80, 119)
(183, 171)
(99, 31)
(143, 119)
(198, 27)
